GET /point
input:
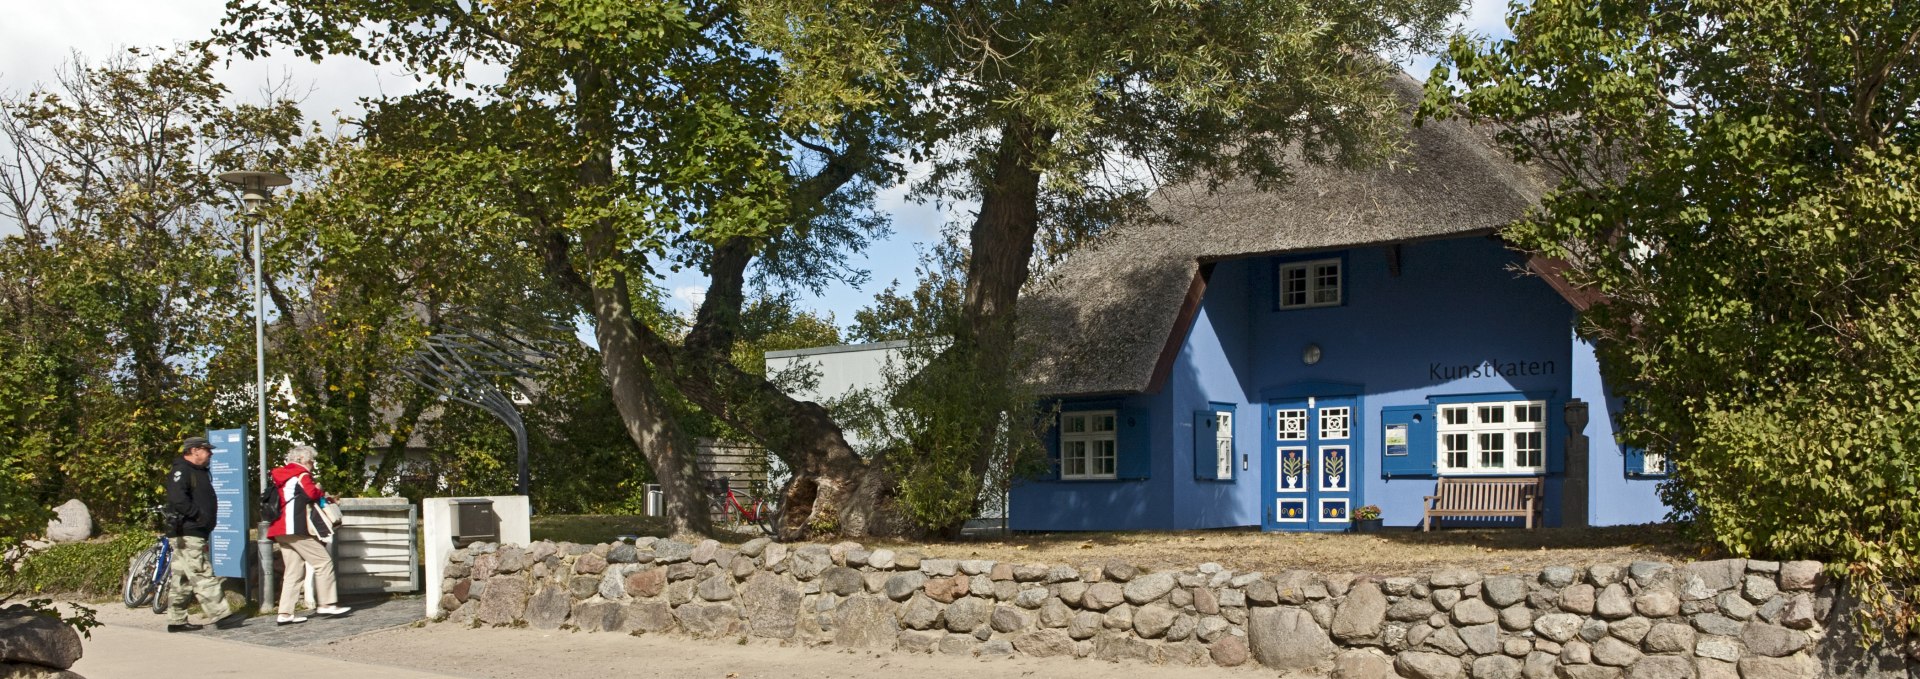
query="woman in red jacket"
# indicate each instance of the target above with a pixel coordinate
(296, 536)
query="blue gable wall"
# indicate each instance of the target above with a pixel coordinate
(1404, 339)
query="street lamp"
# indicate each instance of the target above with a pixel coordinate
(255, 187)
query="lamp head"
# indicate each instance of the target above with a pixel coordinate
(256, 186)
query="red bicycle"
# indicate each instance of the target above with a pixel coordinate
(738, 510)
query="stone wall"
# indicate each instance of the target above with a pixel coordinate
(1730, 618)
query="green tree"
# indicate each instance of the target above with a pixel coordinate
(1060, 117)
(1739, 181)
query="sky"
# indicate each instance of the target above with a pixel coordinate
(37, 36)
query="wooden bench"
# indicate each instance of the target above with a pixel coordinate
(1483, 498)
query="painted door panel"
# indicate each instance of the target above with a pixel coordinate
(1310, 450)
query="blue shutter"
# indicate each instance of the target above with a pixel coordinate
(1421, 452)
(1636, 461)
(1135, 447)
(1205, 428)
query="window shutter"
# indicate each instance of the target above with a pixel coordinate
(1420, 459)
(1636, 461)
(1205, 429)
(1135, 447)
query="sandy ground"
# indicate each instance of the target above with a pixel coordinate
(132, 643)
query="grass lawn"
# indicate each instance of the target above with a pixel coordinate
(1392, 552)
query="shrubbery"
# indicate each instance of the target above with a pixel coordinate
(83, 569)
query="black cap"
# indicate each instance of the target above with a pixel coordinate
(193, 442)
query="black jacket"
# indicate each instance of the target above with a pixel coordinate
(190, 500)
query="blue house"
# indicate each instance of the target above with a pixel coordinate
(1279, 359)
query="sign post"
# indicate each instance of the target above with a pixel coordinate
(228, 467)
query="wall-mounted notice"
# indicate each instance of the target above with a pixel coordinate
(1396, 439)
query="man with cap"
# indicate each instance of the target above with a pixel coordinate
(191, 507)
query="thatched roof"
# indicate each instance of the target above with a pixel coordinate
(1112, 315)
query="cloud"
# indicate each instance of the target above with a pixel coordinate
(691, 296)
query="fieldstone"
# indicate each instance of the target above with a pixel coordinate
(1059, 574)
(864, 621)
(1517, 647)
(464, 589)
(1118, 571)
(1496, 667)
(1718, 575)
(1007, 619)
(671, 551)
(1073, 593)
(1409, 609)
(647, 583)
(774, 557)
(809, 561)
(1800, 575)
(1153, 620)
(940, 567)
(504, 601)
(1395, 586)
(976, 566)
(1540, 665)
(771, 604)
(1101, 596)
(880, 559)
(1045, 643)
(1232, 598)
(708, 619)
(1445, 599)
(1362, 664)
(716, 588)
(1119, 617)
(598, 616)
(1122, 647)
(1546, 646)
(1504, 591)
(1481, 639)
(1454, 577)
(1632, 630)
(918, 642)
(921, 613)
(623, 553)
(1447, 640)
(1587, 672)
(1288, 639)
(1229, 651)
(900, 586)
(71, 522)
(1516, 618)
(35, 639)
(513, 559)
(1558, 577)
(755, 547)
(1184, 627)
(1296, 587)
(985, 587)
(1661, 667)
(647, 616)
(1558, 627)
(1795, 667)
(681, 571)
(1733, 605)
(1031, 598)
(1714, 623)
(842, 581)
(1084, 625)
(1714, 669)
(1543, 599)
(548, 608)
(1053, 613)
(968, 613)
(1147, 588)
(1668, 637)
(1602, 575)
(1771, 640)
(1361, 614)
(1422, 665)
(1260, 593)
(1614, 652)
(1613, 602)
(1576, 653)
(1030, 572)
(1657, 603)
(1418, 634)
(1799, 612)
(1759, 588)
(1771, 610)
(947, 589)
(1474, 612)
(1204, 601)
(1593, 630)
(1716, 647)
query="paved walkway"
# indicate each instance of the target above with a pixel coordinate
(118, 651)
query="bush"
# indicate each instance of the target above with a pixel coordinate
(82, 569)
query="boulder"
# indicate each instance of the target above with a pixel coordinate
(1474, 612)
(1800, 575)
(1504, 591)
(920, 613)
(842, 581)
(900, 586)
(807, 562)
(1454, 577)
(32, 638)
(1632, 630)
(1577, 599)
(1557, 626)
(1409, 609)
(1148, 588)
(1667, 637)
(1151, 621)
(1614, 652)
(1661, 667)
(1045, 643)
(1496, 667)
(647, 583)
(71, 522)
(863, 621)
(708, 619)
(1658, 603)
(671, 551)
(1229, 651)
(1422, 665)
(771, 604)
(598, 616)
(1613, 602)
(590, 564)
(945, 589)
(1007, 619)
(1772, 641)
(968, 613)
(505, 600)
(1793, 667)
(623, 553)
(1362, 664)
(1361, 614)
(549, 607)
(1481, 639)
(719, 587)
(1119, 571)
(1288, 639)
(1101, 596)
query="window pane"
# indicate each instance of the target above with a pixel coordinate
(1455, 446)
(1455, 416)
(1493, 450)
(1073, 424)
(1326, 284)
(1524, 412)
(1290, 425)
(1103, 423)
(1492, 414)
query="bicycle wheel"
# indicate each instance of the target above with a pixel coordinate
(164, 581)
(136, 588)
(767, 511)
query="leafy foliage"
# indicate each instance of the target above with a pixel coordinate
(1740, 180)
(86, 569)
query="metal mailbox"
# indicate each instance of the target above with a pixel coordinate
(474, 521)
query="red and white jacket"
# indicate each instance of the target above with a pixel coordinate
(298, 495)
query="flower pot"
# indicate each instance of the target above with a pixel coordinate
(1366, 525)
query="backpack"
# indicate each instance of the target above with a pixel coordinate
(269, 504)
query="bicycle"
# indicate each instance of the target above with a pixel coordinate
(148, 573)
(736, 510)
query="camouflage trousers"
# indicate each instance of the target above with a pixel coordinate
(192, 578)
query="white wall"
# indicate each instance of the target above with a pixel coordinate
(436, 518)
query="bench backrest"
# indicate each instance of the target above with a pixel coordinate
(1485, 494)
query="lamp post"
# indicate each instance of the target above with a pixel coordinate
(255, 188)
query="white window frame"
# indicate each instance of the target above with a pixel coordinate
(1486, 422)
(1318, 292)
(1090, 440)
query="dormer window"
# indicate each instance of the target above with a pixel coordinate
(1305, 285)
